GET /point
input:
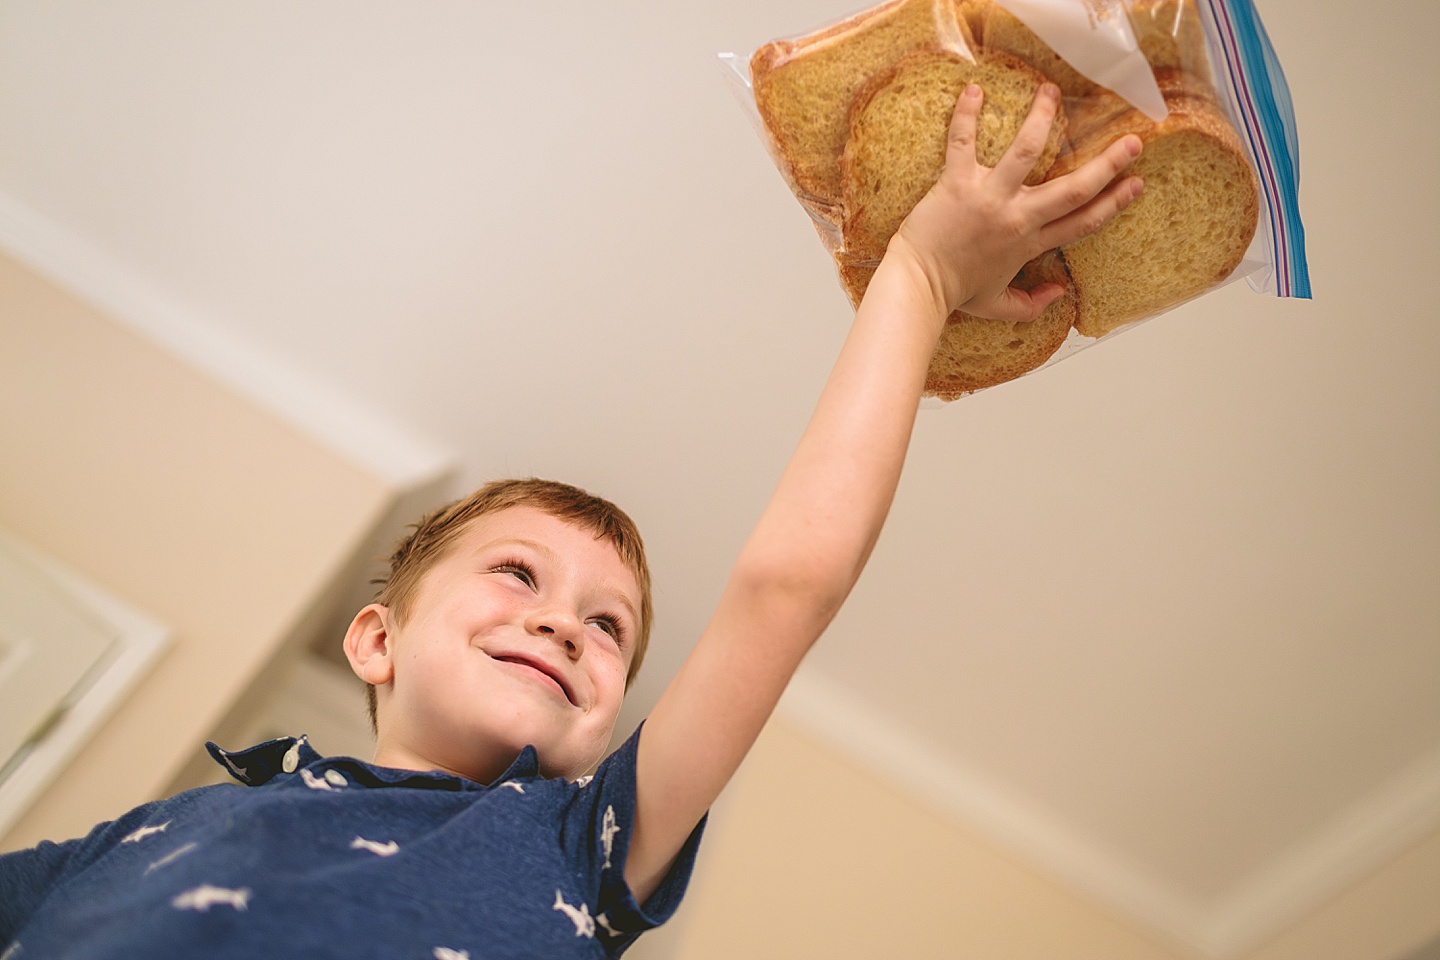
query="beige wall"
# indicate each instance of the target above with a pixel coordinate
(811, 856)
(181, 498)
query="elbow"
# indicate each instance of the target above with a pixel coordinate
(800, 589)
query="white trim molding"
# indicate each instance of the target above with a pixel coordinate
(362, 436)
(1360, 840)
(1278, 895)
(139, 642)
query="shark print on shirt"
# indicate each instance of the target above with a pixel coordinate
(445, 953)
(584, 923)
(387, 849)
(144, 832)
(608, 829)
(204, 897)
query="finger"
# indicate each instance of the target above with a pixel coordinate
(1092, 216)
(960, 143)
(1029, 142)
(1062, 196)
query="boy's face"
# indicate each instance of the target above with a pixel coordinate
(522, 634)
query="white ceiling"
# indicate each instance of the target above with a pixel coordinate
(1177, 598)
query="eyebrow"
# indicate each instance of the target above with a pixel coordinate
(549, 554)
(535, 545)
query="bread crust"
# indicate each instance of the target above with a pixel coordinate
(975, 353)
(803, 88)
(1186, 233)
(1090, 113)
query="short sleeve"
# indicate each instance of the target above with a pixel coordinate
(28, 877)
(598, 827)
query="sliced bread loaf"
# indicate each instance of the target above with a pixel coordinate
(1187, 232)
(899, 124)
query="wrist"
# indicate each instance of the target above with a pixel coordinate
(913, 271)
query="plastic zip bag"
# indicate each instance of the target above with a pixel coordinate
(854, 114)
(1257, 95)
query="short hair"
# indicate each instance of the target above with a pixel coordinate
(431, 537)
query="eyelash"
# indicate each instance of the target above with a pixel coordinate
(616, 632)
(511, 566)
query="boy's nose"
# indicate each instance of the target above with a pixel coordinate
(560, 627)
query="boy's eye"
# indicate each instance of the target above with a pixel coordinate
(609, 625)
(519, 571)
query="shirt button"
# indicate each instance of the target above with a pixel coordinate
(291, 759)
(336, 777)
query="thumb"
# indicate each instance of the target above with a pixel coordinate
(1014, 305)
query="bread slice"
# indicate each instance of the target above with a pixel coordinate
(975, 353)
(1187, 232)
(803, 88)
(898, 131)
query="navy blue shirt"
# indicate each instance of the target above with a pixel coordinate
(334, 857)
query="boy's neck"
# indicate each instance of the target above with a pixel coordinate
(400, 757)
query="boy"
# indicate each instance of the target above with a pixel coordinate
(499, 653)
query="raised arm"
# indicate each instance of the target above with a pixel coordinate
(960, 247)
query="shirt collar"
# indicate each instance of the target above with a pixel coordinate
(286, 755)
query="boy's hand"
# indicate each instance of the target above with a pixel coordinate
(978, 226)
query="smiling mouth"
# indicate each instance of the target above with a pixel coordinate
(543, 671)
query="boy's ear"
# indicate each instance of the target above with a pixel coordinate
(368, 646)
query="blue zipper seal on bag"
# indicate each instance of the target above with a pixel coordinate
(1267, 118)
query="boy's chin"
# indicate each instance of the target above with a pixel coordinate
(571, 764)
(494, 742)
(568, 754)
